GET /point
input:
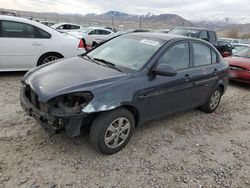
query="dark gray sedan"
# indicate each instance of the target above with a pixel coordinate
(122, 84)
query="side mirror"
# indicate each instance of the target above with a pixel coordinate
(164, 70)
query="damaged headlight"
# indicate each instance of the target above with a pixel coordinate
(72, 103)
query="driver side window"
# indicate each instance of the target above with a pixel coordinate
(176, 57)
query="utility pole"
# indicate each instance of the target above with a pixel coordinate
(140, 23)
(112, 21)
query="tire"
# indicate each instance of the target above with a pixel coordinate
(105, 135)
(213, 101)
(46, 58)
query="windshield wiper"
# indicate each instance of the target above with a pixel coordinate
(108, 64)
(90, 58)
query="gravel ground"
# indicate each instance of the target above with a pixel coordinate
(190, 149)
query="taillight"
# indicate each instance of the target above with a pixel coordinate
(81, 44)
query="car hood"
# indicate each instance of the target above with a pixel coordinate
(70, 75)
(239, 61)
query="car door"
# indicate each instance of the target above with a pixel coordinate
(1, 53)
(91, 36)
(166, 95)
(104, 34)
(19, 45)
(205, 72)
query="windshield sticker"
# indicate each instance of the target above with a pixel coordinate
(149, 42)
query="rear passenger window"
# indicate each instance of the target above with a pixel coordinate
(202, 55)
(75, 27)
(17, 30)
(105, 32)
(176, 57)
(42, 34)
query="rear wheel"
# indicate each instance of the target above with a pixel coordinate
(213, 101)
(46, 58)
(111, 131)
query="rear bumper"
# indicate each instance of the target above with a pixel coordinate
(240, 76)
(52, 124)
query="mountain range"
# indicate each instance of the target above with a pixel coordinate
(148, 20)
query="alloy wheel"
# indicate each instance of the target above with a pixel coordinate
(215, 99)
(117, 133)
(49, 59)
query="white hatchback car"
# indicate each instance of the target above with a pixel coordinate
(25, 44)
(92, 34)
(66, 27)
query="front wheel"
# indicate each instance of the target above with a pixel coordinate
(46, 58)
(213, 101)
(111, 131)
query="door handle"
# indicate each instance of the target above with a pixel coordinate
(36, 44)
(187, 77)
(216, 71)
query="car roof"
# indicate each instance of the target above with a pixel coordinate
(64, 23)
(99, 28)
(193, 28)
(162, 36)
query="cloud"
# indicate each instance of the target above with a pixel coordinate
(190, 9)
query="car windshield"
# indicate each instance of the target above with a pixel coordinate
(185, 32)
(127, 52)
(245, 52)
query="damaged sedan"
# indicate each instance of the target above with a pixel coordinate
(122, 84)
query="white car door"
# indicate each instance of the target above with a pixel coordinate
(104, 34)
(91, 36)
(20, 45)
(97, 35)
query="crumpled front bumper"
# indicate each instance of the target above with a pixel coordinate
(52, 124)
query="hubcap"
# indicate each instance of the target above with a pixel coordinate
(117, 133)
(215, 99)
(49, 59)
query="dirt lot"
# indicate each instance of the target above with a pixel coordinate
(191, 149)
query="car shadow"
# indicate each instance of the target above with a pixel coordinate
(12, 74)
(240, 84)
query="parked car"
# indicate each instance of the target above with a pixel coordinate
(240, 65)
(112, 29)
(161, 30)
(208, 35)
(97, 42)
(239, 47)
(47, 23)
(67, 27)
(25, 44)
(122, 84)
(7, 13)
(91, 34)
(231, 41)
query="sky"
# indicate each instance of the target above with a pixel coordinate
(189, 9)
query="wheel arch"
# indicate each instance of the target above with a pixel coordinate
(46, 54)
(134, 111)
(222, 87)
